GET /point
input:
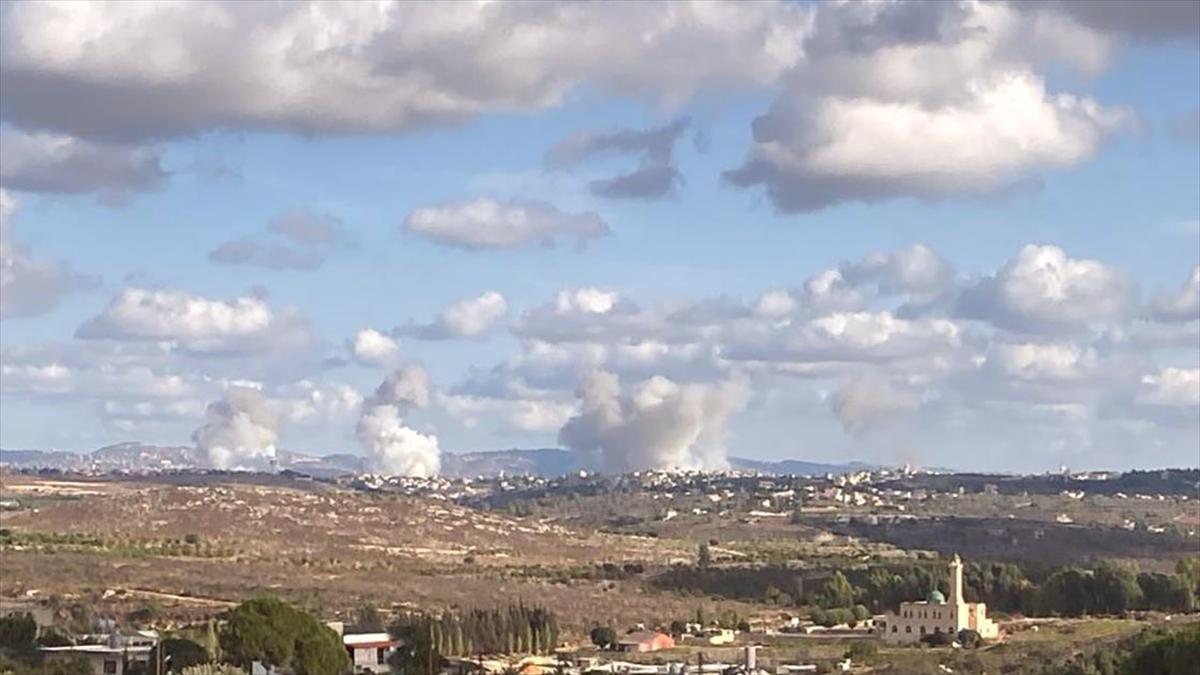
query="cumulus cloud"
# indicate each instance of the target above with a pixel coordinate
(372, 348)
(311, 402)
(659, 424)
(303, 240)
(58, 164)
(393, 448)
(155, 70)
(1171, 387)
(241, 325)
(865, 402)
(468, 318)
(925, 100)
(29, 286)
(1181, 304)
(1043, 290)
(656, 174)
(853, 337)
(523, 414)
(491, 224)
(915, 270)
(239, 431)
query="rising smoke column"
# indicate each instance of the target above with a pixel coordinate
(863, 403)
(659, 425)
(393, 448)
(239, 431)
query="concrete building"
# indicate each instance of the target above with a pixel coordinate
(103, 659)
(937, 614)
(369, 652)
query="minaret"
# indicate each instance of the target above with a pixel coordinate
(956, 587)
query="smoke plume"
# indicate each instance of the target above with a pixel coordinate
(393, 448)
(239, 431)
(659, 425)
(865, 402)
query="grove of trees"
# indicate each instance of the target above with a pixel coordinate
(275, 633)
(426, 638)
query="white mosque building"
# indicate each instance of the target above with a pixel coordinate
(936, 614)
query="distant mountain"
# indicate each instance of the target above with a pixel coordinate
(135, 456)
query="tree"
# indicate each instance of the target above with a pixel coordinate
(703, 555)
(175, 654)
(1172, 654)
(1116, 588)
(275, 633)
(603, 637)
(838, 591)
(678, 627)
(18, 633)
(368, 619)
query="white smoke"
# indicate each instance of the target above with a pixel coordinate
(866, 402)
(659, 425)
(392, 447)
(239, 431)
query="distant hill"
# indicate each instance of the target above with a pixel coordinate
(135, 456)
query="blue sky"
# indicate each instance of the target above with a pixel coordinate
(1106, 183)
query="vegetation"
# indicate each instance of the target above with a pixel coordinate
(605, 637)
(426, 639)
(175, 654)
(1153, 652)
(275, 633)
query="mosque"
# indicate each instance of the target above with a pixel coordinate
(936, 614)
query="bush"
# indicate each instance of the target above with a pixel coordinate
(862, 649)
(18, 633)
(603, 636)
(938, 639)
(969, 638)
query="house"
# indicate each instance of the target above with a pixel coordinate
(936, 614)
(103, 659)
(645, 641)
(369, 652)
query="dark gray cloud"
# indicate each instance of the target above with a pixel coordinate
(1149, 20)
(308, 239)
(158, 70)
(656, 174)
(56, 164)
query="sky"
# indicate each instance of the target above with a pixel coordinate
(951, 234)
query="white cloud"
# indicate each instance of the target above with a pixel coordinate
(143, 70)
(372, 348)
(491, 224)
(1043, 290)
(242, 325)
(1181, 304)
(926, 100)
(916, 270)
(309, 402)
(468, 318)
(1171, 387)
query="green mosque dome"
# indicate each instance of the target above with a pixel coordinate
(935, 597)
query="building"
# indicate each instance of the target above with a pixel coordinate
(369, 652)
(103, 659)
(645, 641)
(937, 614)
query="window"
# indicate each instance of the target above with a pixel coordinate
(908, 629)
(110, 667)
(380, 655)
(922, 630)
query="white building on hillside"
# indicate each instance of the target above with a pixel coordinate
(936, 614)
